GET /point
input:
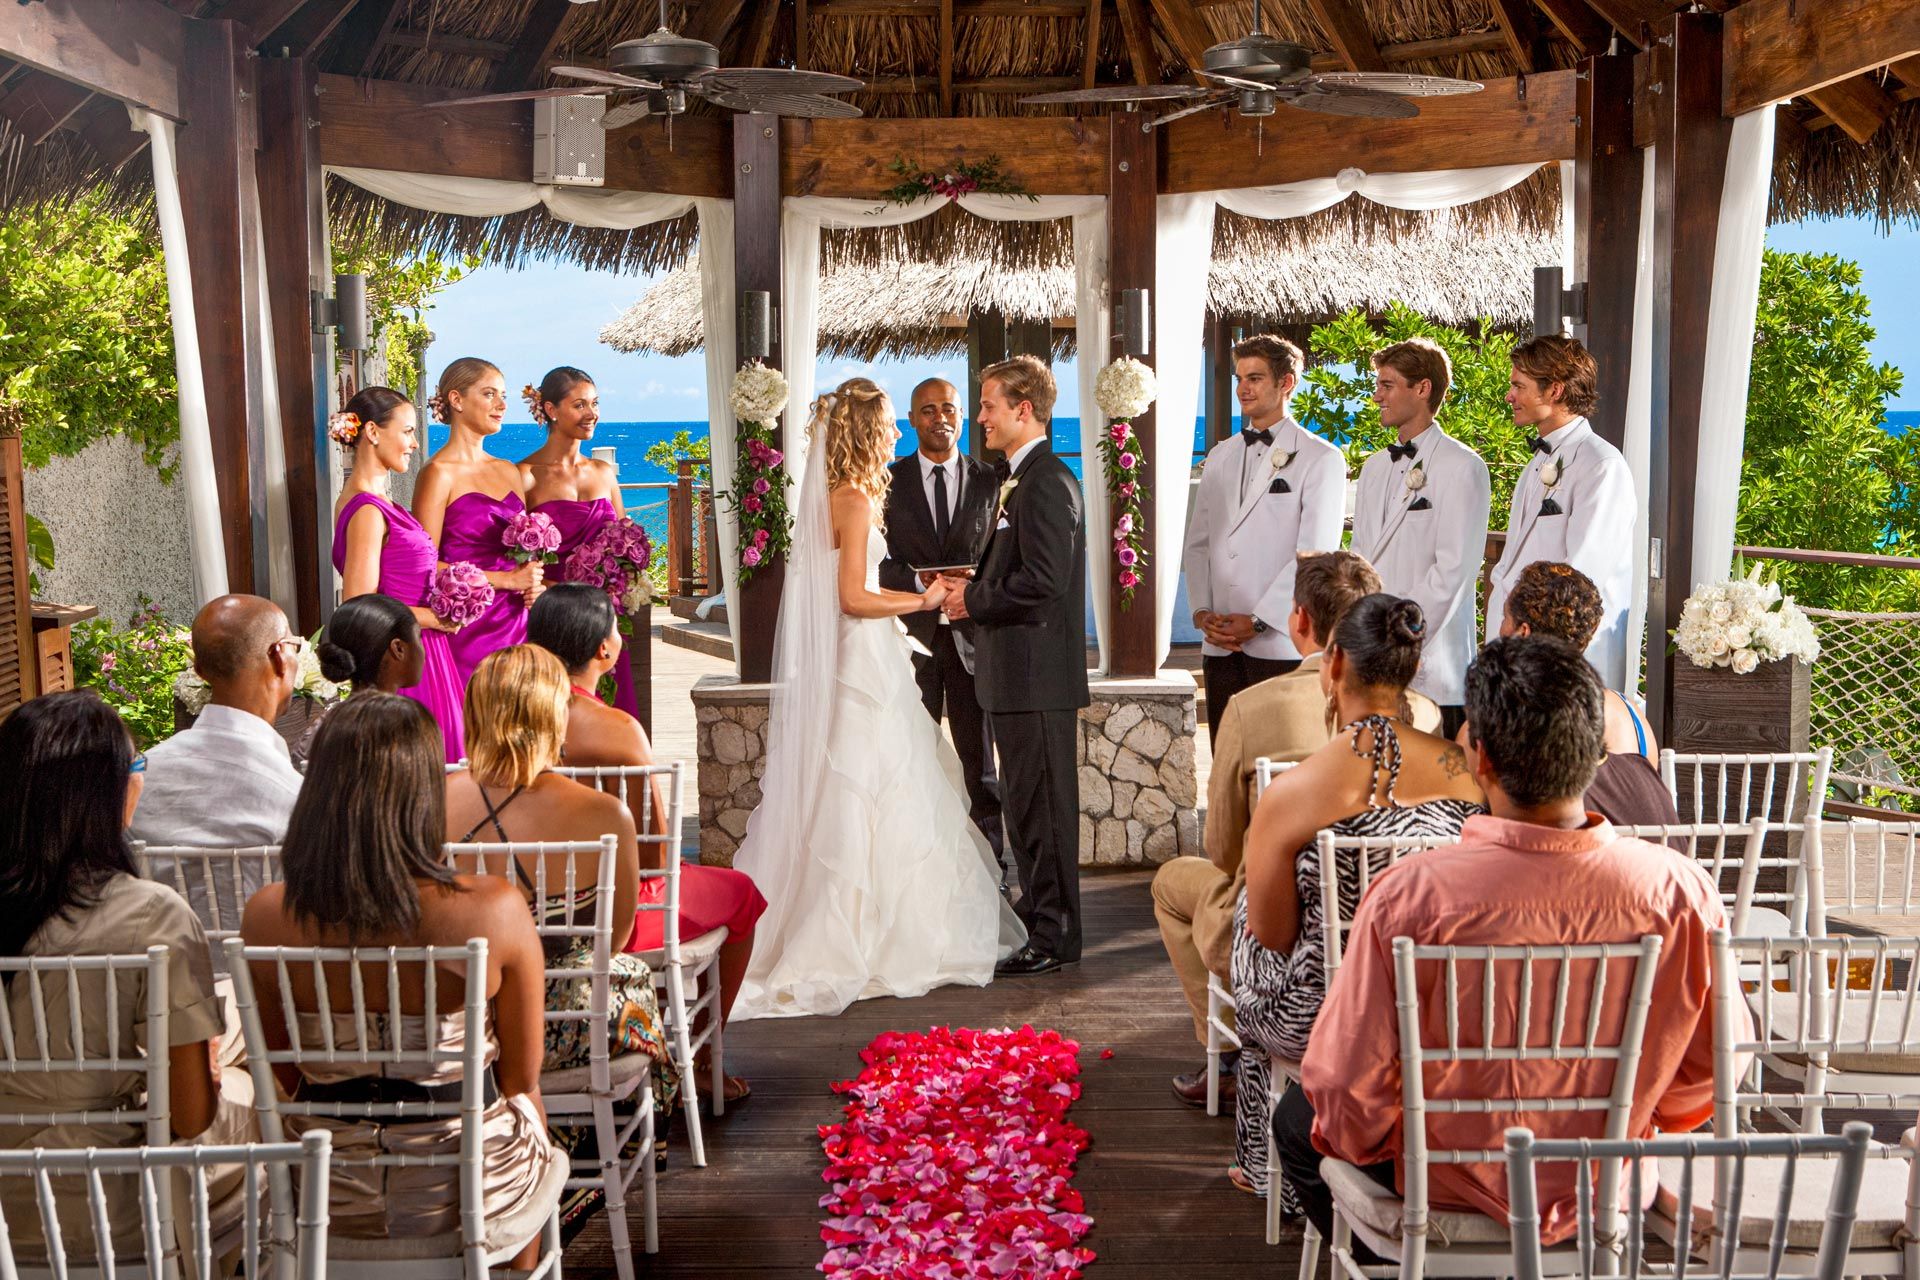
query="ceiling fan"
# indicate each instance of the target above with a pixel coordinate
(1258, 71)
(657, 74)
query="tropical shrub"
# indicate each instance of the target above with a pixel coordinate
(135, 669)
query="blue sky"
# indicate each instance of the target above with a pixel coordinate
(530, 320)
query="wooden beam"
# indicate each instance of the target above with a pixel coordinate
(311, 24)
(1908, 69)
(1090, 40)
(1422, 50)
(292, 222)
(538, 38)
(945, 37)
(1502, 124)
(1137, 30)
(447, 42)
(1608, 175)
(1858, 105)
(802, 34)
(1633, 19)
(1131, 233)
(1786, 48)
(1051, 155)
(125, 49)
(759, 45)
(755, 173)
(714, 21)
(1347, 28)
(962, 8)
(1581, 26)
(1691, 138)
(1521, 30)
(259, 19)
(105, 127)
(38, 103)
(1188, 32)
(894, 86)
(362, 34)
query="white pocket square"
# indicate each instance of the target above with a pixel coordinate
(1002, 525)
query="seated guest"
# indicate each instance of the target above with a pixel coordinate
(228, 781)
(365, 866)
(69, 779)
(1550, 599)
(1380, 776)
(1542, 870)
(576, 622)
(1285, 720)
(371, 642)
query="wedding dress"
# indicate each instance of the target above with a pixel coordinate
(876, 880)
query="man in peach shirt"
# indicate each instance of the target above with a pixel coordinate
(1539, 869)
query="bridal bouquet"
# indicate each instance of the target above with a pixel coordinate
(1123, 391)
(759, 493)
(615, 559)
(1743, 622)
(460, 593)
(531, 535)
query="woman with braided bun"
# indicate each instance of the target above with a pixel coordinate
(372, 642)
(1378, 777)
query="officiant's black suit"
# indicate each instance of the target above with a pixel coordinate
(1030, 670)
(945, 682)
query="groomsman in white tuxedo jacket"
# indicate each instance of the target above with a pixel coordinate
(1575, 501)
(1421, 518)
(1265, 495)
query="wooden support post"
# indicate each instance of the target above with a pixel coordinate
(756, 266)
(986, 344)
(1608, 173)
(216, 172)
(1218, 394)
(293, 230)
(1691, 139)
(1131, 223)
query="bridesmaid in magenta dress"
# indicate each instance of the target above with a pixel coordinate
(379, 547)
(580, 494)
(464, 499)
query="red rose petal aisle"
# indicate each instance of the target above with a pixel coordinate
(955, 1159)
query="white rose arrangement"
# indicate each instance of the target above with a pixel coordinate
(759, 393)
(1743, 622)
(1125, 389)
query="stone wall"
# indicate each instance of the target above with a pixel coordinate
(118, 530)
(1138, 785)
(731, 740)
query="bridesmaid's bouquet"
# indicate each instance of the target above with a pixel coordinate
(531, 535)
(615, 559)
(460, 593)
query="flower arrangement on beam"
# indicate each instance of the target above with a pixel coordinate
(966, 178)
(1123, 391)
(1743, 622)
(759, 493)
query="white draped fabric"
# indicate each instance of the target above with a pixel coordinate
(1637, 440)
(205, 544)
(720, 318)
(1183, 252)
(803, 218)
(1435, 189)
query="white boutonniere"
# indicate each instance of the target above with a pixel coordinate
(1416, 477)
(1550, 473)
(1280, 459)
(1006, 491)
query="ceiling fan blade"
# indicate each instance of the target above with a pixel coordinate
(1184, 112)
(1119, 93)
(525, 95)
(758, 80)
(622, 116)
(1376, 106)
(810, 106)
(1242, 83)
(604, 77)
(1405, 86)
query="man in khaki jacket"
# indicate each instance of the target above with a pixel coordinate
(1285, 720)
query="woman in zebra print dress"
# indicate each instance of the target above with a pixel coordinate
(1378, 777)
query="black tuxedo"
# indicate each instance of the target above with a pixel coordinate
(946, 678)
(1030, 668)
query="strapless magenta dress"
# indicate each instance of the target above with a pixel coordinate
(407, 561)
(471, 532)
(578, 521)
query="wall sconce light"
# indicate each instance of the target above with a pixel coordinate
(346, 310)
(756, 324)
(1554, 304)
(1134, 332)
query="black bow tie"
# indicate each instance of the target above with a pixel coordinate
(1399, 451)
(1540, 445)
(1253, 437)
(1001, 471)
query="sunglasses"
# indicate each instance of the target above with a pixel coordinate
(139, 764)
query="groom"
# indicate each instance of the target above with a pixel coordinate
(1028, 607)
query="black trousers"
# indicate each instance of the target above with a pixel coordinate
(1228, 675)
(1300, 1164)
(1042, 794)
(1451, 718)
(947, 686)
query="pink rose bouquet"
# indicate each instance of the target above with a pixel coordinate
(615, 559)
(460, 593)
(531, 535)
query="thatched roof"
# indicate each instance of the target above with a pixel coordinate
(898, 298)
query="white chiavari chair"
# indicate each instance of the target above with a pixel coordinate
(216, 881)
(1733, 854)
(1738, 787)
(1221, 1036)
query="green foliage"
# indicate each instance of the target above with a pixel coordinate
(86, 342)
(1336, 395)
(399, 294)
(40, 548)
(134, 669)
(666, 455)
(1819, 470)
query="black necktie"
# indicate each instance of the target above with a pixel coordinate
(1540, 445)
(1253, 437)
(942, 515)
(1399, 451)
(1002, 471)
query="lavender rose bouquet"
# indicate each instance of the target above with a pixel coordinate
(460, 593)
(531, 535)
(615, 559)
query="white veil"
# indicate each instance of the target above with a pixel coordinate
(800, 716)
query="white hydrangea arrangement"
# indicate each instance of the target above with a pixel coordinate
(1743, 622)
(192, 692)
(1125, 389)
(759, 393)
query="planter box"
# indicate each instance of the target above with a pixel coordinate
(1715, 710)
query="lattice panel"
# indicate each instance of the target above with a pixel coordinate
(1866, 702)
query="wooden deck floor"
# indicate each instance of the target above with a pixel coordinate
(1154, 1179)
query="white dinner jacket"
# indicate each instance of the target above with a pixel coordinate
(1240, 553)
(1594, 533)
(1433, 555)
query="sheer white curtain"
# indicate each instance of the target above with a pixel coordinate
(1435, 189)
(1183, 252)
(719, 320)
(1637, 440)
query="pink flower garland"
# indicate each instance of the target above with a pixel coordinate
(1120, 454)
(955, 1160)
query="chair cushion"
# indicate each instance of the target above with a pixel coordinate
(1900, 1056)
(694, 952)
(622, 1070)
(506, 1234)
(1883, 1200)
(1377, 1210)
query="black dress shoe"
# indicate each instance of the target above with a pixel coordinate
(1026, 962)
(1191, 1086)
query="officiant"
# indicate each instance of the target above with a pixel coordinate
(938, 512)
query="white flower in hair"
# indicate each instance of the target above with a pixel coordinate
(759, 393)
(1125, 389)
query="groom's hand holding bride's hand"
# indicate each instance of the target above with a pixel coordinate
(956, 603)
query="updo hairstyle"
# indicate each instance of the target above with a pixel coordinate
(359, 636)
(375, 407)
(855, 425)
(553, 388)
(458, 376)
(1381, 637)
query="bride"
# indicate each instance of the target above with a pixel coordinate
(876, 880)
